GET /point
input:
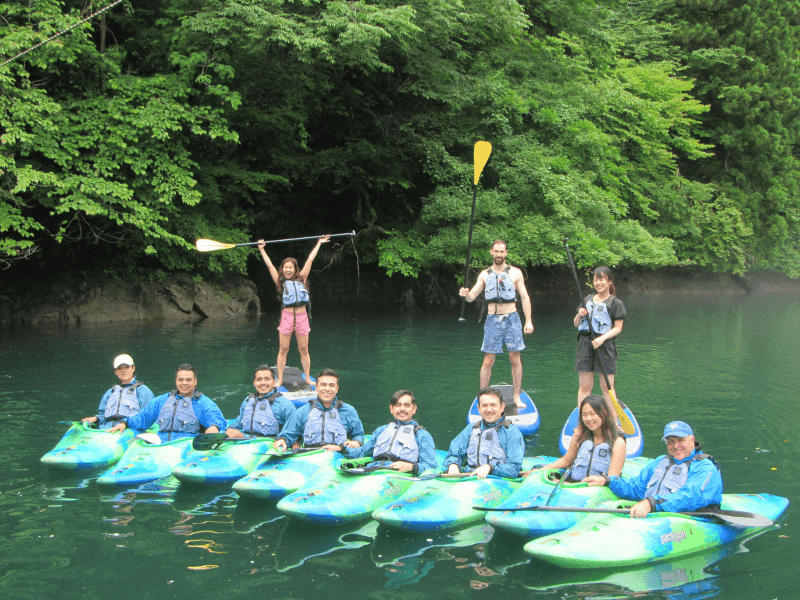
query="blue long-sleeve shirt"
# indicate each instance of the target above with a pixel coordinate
(511, 441)
(703, 486)
(143, 395)
(282, 408)
(297, 423)
(206, 411)
(427, 448)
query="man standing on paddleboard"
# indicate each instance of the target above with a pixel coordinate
(125, 399)
(504, 284)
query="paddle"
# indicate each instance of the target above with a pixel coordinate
(204, 245)
(734, 517)
(439, 476)
(554, 494)
(367, 470)
(212, 441)
(627, 425)
(481, 156)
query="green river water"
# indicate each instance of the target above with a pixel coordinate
(727, 365)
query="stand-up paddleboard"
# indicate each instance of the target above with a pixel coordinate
(294, 387)
(525, 419)
(634, 443)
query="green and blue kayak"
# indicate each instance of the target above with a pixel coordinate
(333, 496)
(538, 489)
(614, 540)
(83, 447)
(144, 462)
(277, 476)
(227, 463)
(444, 503)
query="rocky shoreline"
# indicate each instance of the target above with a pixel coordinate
(181, 298)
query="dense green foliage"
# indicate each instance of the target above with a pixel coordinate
(650, 133)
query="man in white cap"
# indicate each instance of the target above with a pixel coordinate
(683, 480)
(123, 400)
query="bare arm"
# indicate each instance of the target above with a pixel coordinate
(307, 267)
(613, 332)
(617, 457)
(272, 270)
(519, 285)
(470, 295)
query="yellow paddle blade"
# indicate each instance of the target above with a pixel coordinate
(627, 425)
(482, 152)
(211, 245)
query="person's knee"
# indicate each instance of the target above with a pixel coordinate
(515, 358)
(488, 360)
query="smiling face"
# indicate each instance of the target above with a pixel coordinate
(288, 269)
(490, 407)
(600, 282)
(590, 418)
(125, 373)
(185, 382)
(264, 382)
(327, 388)
(499, 254)
(679, 447)
(404, 409)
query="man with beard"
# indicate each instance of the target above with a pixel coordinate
(504, 287)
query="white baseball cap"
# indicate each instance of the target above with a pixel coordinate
(123, 359)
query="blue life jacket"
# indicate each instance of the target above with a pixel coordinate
(601, 319)
(591, 460)
(294, 294)
(258, 418)
(324, 427)
(122, 403)
(499, 286)
(670, 476)
(397, 442)
(177, 414)
(485, 445)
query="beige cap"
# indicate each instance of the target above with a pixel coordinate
(123, 359)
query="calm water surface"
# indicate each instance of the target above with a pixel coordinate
(727, 365)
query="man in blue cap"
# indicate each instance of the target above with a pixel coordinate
(683, 480)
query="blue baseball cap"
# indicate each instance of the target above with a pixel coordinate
(677, 429)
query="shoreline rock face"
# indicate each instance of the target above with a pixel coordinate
(181, 298)
(177, 298)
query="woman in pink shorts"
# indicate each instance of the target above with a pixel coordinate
(293, 290)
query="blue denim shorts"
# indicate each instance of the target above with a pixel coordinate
(501, 329)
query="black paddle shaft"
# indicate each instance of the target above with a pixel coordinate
(469, 247)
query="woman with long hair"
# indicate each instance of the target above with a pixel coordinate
(594, 355)
(596, 447)
(292, 284)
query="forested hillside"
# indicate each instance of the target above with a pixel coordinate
(651, 133)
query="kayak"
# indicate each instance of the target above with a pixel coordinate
(333, 496)
(277, 476)
(444, 502)
(634, 442)
(294, 388)
(525, 419)
(227, 463)
(658, 537)
(144, 462)
(84, 447)
(537, 490)
(690, 576)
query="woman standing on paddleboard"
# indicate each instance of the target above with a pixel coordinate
(607, 314)
(596, 447)
(293, 289)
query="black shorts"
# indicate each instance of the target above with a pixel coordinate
(588, 361)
